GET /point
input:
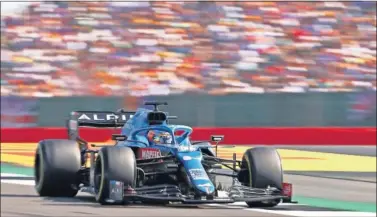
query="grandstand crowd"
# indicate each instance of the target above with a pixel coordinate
(148, 48)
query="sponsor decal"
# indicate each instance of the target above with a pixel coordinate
(148, 153)
(197, 174)
(207, 186)
(187, 158)
(104, 117)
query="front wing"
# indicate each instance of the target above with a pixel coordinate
(172, 193)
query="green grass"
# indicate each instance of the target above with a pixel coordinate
(10, 168)
(336, 204)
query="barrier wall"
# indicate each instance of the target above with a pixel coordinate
(239, 136)
(236, 110)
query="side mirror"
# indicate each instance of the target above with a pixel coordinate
(118, 137)
(217, 138)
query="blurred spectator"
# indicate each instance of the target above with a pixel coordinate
(141, 48)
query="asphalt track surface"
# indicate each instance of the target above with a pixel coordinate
(27, 203)
(21, 200)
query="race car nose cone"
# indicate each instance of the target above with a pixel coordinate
(206, 188)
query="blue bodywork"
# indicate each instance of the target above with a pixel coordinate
(190, 156)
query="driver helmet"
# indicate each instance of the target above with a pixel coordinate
(159, 137)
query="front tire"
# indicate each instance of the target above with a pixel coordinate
(261, 167)
(113, 163)
(56, 168)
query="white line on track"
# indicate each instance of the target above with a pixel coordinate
(19, 182)
(315, 213)
(238, 205)
(243, 204)
(13, 175)
(15, 181)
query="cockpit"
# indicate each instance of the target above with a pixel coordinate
(151, 127)
(164, 135)
(159, 137)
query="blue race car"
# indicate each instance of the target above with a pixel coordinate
(152, 161)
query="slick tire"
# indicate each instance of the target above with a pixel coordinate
(117, 164)
(261, 167)
(56, 168)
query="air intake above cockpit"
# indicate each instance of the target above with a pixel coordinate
(155, 118)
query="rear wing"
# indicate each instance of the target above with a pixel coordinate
(98, 119)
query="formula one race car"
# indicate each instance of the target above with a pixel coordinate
(153, 161)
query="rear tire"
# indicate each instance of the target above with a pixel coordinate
(56, 168)
(113, 163)
(261, 167)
